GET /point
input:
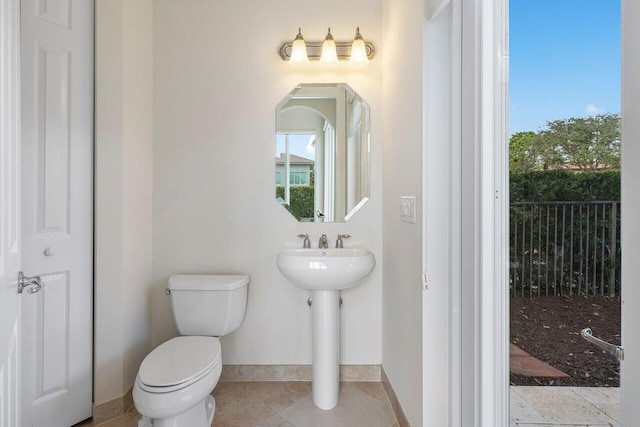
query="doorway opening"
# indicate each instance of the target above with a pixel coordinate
(564, 211)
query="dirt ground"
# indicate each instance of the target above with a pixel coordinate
(548, 328)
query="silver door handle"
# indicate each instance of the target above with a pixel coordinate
(616, 350)
(31, 284)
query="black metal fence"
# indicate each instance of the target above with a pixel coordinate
(564, 248)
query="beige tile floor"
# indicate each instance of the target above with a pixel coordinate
(288, 404)
(565, 406)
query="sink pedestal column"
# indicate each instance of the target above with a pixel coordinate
(325, 377)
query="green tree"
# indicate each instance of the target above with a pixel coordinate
(582, 143)
(585, 143)
(526, 152)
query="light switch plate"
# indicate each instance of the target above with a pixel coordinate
(408, 206)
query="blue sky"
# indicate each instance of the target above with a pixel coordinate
(564, 60)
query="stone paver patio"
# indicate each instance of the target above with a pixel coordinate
(521, 362)
(537, 406)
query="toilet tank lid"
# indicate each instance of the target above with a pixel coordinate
(207, 282)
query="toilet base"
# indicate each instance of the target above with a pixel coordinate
(200, 415)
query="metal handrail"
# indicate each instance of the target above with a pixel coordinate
(616, 350)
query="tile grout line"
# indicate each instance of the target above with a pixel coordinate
(594, 405)
(530, 406)
(610, 420)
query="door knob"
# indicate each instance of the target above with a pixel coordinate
(49, 252)
(31, 284)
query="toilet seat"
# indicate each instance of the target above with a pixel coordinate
(178, 363)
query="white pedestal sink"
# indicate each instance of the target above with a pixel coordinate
(325, 272)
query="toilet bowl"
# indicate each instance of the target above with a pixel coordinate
(173, 386)
(174, 383)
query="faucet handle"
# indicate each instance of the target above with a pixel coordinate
(306, 242)
(339, 243)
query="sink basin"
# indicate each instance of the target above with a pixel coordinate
(325, 272)
(326, 269)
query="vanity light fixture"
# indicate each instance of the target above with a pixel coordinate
(329, 54)
(358, 51)
(299, 50)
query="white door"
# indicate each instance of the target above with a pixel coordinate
(57, 210)
(9, 210)
(630, 366)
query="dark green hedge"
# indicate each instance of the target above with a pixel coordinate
(564, 186)
(301, 201)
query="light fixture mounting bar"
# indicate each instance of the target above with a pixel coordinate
(314, 50)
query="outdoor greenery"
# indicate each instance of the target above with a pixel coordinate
(574, 159)
(577, 143)
(564, 186)
(301, 198)
(559, 247)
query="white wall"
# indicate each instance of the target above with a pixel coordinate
(403, 137)
(124, 146)
(217, 80)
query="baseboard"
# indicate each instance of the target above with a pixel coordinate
(395, 403)
(112, 409)
(370, 373)
(295, 373)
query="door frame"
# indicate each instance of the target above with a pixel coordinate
(494, 195)
(494, 231)
(630, 367)
(487, 96)
(477, 192)
(481, 380)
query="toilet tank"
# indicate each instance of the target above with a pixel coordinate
(210, 305)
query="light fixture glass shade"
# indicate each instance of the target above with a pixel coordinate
(358, 51)
(329, 55)
(299, 50)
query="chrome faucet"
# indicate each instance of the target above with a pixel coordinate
(323, 243)
(306, 243)
(339, 241)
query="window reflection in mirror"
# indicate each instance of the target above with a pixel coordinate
(295, 158)
(322, 153)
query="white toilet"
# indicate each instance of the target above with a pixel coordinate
(174, 384)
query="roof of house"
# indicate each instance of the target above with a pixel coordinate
(293, 159)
